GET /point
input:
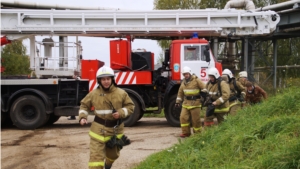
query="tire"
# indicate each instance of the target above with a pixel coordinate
(52, 119)
(172, 114)
(141, 115)
(28, 112)
(133, 118)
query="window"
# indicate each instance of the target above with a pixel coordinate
(193, 53)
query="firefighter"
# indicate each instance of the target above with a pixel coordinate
(242, 78)
(254, 94)
(111, 105)
(218, 92)
(189, 93)
(237, 92)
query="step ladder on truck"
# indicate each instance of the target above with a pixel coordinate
(135, 72)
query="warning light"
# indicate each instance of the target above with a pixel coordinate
(195, 35)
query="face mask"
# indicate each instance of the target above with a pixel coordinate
(250, 91)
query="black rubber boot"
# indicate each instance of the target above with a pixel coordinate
(107, 166)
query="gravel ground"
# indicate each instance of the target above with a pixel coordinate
(66, 144)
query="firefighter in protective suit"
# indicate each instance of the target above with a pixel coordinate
(189, 93)
(242, 78)
(219, 93)
(111, 105)
(237, 92)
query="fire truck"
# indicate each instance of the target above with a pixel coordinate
(58, 85)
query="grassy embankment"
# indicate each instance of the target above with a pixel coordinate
(261, 136)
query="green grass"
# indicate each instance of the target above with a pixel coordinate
(161, 115)
(265, 136)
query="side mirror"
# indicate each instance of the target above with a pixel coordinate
(206, 53)
(167, 57)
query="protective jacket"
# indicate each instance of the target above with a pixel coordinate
(256, 95)
(222, 104)
(104, 102)
(242, 81)
(189, 92)
(240, 87)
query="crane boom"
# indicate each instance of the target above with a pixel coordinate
(161, 23)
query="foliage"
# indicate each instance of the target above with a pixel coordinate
(176, 4)
(14, 59)
(161, 58)
(164, 44)
(260, 136)
(161, 115)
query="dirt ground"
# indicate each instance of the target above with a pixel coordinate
(66, 144)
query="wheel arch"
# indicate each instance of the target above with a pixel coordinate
(172, 89)
(29, 91)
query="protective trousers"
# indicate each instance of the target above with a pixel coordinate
(185, 120)
(100, 154)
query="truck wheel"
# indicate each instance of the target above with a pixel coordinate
(28, 112)
(133, 118)
(172, 114)
(141, 115)
(52, 119)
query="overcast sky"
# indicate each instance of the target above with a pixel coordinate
(98, 48)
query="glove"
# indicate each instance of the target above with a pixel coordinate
(177, 105)
(124, 141)
(232, 98)
(210, 110)
(241, 99)
(112, 142)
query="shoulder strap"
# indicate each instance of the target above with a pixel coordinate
(219, 86)
(207, 84)
(236, 88)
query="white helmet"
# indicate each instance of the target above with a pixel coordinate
(214, 72)
(186, 70)
(227, 72)
(243, 74)
(105, 72)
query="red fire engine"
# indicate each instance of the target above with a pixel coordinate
(56, 91)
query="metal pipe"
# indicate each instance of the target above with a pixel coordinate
(279, 6)
(36, 5)
(277, 67)
(32, 51)
(275, 62)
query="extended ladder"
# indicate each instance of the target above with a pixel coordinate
(162, 23)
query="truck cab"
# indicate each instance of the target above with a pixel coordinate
(194, 53)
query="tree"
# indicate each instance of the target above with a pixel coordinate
(164, 44)
(14, 59)
(160, 58)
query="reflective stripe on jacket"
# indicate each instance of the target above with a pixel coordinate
(190, 88)
(221, 101)
(103, 103)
